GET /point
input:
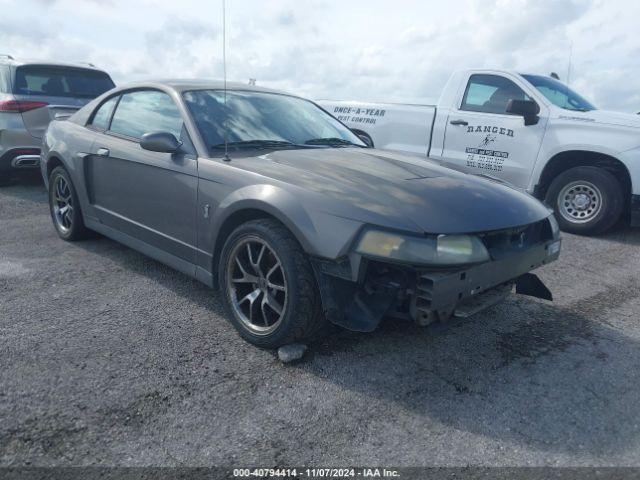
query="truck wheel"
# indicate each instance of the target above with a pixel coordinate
(64, 206)
(268, 286)
(586, 200)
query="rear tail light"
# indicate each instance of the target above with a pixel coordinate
(18, 106)
(25, 151)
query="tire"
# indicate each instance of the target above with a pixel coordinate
(586, 200)
(301, 318)
(68, 223)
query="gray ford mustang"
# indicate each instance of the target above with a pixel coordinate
(296, 220)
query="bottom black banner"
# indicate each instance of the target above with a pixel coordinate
(417, 473)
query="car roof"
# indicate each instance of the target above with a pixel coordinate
(18, 62)
(182, 85)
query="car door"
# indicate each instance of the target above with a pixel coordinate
(150, 196)
(481, 137)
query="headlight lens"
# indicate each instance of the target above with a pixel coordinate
(443, 250)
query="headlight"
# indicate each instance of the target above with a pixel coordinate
(443, 250)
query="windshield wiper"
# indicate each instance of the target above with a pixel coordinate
(332, 142)
(259, 144)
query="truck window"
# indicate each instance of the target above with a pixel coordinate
(559, 94)
(490, 94)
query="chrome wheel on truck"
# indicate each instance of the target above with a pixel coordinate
(579, 202)
(586, 200)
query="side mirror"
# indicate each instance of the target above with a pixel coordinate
(163, 142)
(525, 108)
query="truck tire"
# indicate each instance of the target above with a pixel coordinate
(268, 286)
(65, 207)
(586, 200)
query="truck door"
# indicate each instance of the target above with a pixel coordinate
(481, 137)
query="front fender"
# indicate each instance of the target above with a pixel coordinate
(271, 200)
(564, 135)
(319, 233)
(631, 160)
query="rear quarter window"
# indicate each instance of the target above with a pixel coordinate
(102, 116)
(60, 81)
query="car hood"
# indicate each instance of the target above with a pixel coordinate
(605, 117)
(376, 186)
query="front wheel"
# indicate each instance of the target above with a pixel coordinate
(268, 286)
(586, 200)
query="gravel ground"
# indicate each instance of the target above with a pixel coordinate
(108, 357)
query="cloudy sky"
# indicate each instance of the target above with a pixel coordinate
(377, 50)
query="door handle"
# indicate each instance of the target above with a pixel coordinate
(459, 122)
(103, 152)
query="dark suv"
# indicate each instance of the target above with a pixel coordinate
(31, 95)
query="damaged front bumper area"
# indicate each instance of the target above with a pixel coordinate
(424, 294)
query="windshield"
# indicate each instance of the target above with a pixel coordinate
(278, 121)
(559, 94)
(61, 81)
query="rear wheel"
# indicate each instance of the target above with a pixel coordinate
(586, 200)
(268, 286)
(64, 206)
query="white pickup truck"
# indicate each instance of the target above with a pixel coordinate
(530, 131)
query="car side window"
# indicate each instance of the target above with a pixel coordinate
(102, 116)
(146, 111)
(490, 94)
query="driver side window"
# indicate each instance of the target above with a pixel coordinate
(490, 94)
(144, 111)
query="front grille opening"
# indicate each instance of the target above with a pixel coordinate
(502, 243)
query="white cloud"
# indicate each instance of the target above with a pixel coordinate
(376, 50)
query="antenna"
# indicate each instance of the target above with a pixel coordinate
(226, 157)
(569, 66)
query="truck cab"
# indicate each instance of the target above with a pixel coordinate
(532, 132)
